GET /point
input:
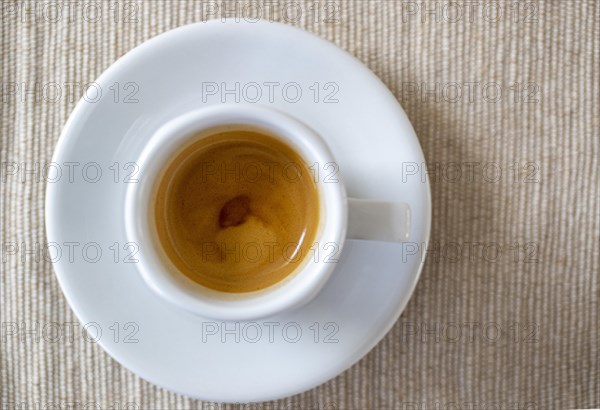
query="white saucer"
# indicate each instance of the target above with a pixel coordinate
(370, 137)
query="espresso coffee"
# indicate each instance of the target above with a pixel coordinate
(237, 211)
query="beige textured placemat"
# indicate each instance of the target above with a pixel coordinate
(504, 97)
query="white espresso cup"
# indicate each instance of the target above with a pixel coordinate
(340, 218)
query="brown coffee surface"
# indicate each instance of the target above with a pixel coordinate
(237, 211)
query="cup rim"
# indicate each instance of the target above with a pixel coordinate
(163, 277)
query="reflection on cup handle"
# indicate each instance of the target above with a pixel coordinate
(378, 220)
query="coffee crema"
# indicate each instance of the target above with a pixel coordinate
(237, 211)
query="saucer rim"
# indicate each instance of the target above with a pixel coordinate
(67, 135)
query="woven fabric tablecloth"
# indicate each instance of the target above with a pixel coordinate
(504, 97)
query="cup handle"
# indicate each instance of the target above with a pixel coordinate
(378, 220)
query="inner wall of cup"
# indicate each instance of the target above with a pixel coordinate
(171, 269)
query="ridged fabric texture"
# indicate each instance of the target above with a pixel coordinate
(506, 312)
